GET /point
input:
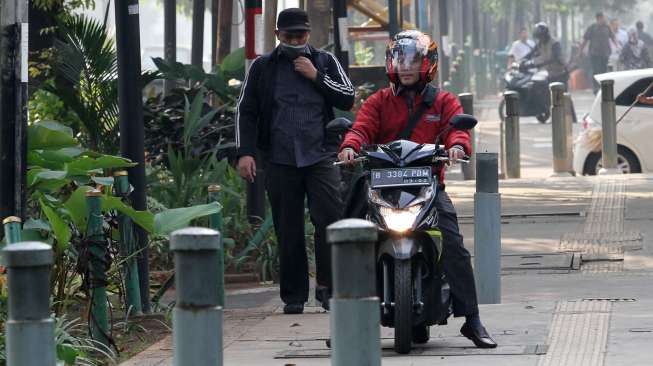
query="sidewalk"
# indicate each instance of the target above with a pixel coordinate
(577, 269)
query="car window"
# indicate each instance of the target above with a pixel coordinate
(628, 96)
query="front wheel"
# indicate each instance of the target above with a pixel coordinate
(627, 162)
(403, 310)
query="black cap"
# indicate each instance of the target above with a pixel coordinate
(599, 14)
(293, 19)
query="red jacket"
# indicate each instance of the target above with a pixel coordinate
(384, 116)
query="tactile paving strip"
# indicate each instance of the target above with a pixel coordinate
(602, 236)
(579, 334)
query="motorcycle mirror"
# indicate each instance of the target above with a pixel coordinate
(339, 125)
(463, 122)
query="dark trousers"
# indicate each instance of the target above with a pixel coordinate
(456, 260)
(599, 66)
(287, 188)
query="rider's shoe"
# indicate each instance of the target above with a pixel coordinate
(323, 295)
(478, 335)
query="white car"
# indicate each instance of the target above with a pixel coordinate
(634, 132)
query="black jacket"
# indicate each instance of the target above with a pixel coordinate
(254, 109)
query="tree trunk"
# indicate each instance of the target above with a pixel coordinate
(197, 43)
(319, 12)
(223, 37)
(169, 37)
(270, 14)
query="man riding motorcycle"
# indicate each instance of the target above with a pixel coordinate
(547, 54)
(411, 64)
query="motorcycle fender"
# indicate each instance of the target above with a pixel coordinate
(399, 248)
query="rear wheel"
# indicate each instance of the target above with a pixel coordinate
(543, 116)
(403, 310)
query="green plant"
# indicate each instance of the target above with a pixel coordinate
(363, 55)
(85, 80)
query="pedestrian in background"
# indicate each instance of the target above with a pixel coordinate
(645, 37)
(287, 99)
(598, 35)
(520, 48)
(621, 37)
(635, 54)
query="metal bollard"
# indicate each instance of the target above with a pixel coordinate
(128, 248)
(609, 127)
(216, 222)
(197, 318)
(469, 169)
(562, 158)
(98, 267)
(12, 225)
(355, 313)
(487, 230)
(29, 328)
(511, 139)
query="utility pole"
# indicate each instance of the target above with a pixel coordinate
(169, 37)
(14, 31)
(393, 15)
(254, 43)
(444, 34)
(341, 32)
(197, 42)
(130, 104)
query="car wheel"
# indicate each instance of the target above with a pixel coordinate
(627, 162)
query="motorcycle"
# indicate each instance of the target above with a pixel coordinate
(401, 180)
(533, 87)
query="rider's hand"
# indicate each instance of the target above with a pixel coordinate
(455, 154)
(247, 168)
(347, 155)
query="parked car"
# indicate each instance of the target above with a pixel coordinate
(634, 132)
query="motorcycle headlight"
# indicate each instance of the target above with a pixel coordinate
(400, 220)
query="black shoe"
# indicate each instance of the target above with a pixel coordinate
(323, 295)
(479, 336)
(293, 308)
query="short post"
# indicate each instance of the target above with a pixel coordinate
(511, 139)
(570, 119)
(487, 230)
(216, 222)
(197, 318)
(30, 329)
(609, 127)
(98, 266)
(469, 169)
(128, 249)
(12, 225)
(355, 313)
(562, 160)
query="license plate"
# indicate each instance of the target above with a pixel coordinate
(420, 176)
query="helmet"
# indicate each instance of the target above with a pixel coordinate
(411, 50)
(541, 31)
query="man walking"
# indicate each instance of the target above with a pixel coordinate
(520, 48)
(645, 37)
(286, 101)
(598, 35)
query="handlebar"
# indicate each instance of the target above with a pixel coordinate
(355, 161)
(464, 160)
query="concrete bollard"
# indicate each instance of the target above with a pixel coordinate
(216, 222)
(609, 127)
(12, 226)
(128, 248)
(197, 318)
(511, 139)
(562, 158)
(355, 313)
(487, 230)
(469, 169)
(29, 328)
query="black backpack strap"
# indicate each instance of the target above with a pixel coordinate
(430, 95)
